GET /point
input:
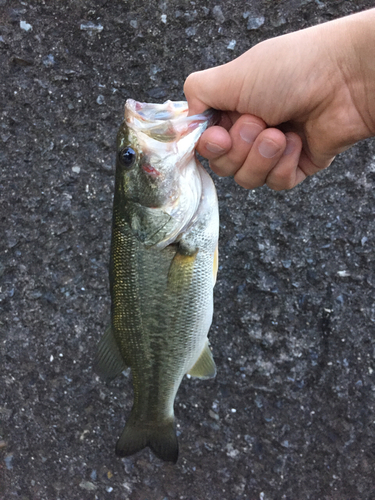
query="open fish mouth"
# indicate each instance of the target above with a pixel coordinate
(167, 122)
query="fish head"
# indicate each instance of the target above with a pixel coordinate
(156, 169)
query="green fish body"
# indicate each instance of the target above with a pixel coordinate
(162, 270)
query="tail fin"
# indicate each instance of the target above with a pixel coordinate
(161, 438)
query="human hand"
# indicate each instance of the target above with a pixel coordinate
(289, 104)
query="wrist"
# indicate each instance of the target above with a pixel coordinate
(356, 56)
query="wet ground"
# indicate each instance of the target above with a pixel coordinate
(291, 413)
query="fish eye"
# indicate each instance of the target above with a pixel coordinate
(127, 157)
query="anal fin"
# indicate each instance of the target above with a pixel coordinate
(205, 367)
(108, 362)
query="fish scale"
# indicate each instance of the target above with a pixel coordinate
(162, 270)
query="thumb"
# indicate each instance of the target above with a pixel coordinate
(211, 88)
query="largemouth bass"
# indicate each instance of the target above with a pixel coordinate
(162, 270)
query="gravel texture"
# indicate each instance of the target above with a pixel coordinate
(291, 413)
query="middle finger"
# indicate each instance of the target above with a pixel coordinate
(243, 134)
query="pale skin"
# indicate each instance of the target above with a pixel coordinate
(289, 104)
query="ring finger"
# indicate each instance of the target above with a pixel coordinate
(261, 159)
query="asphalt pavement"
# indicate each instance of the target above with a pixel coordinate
(291, 413)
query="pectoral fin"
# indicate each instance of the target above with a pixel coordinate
(181, 271)
(205, 366)
(108, 362)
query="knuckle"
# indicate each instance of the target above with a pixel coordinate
(222, 168)
(246, 183)
(191, 81)
(279, 181)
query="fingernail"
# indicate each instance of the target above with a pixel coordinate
(214, 148)
(250, 131)
(289, 146)
(268, 148)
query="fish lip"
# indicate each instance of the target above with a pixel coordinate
(167, 122)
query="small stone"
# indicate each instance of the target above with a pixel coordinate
(231, 45)
(213, 415)
(12, 239)
(100, 99)
(340, 299)
(278, 21)
(191, 31)
(134, 23)
(344, 273)
(25, 26)
(163, 18)
(87, 485)
(218, 14)
(254, 23)
(8, 461)
(91, 27)
(190, 15)
(231, 452)
(76, 169)
(34, 294)
(21, 61)
(153, 71)
(49, 61)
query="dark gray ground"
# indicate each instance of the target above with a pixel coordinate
(291, 413)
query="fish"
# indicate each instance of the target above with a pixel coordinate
(163, 267)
